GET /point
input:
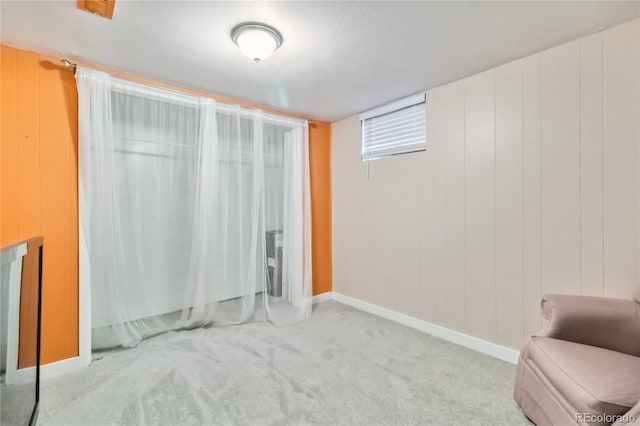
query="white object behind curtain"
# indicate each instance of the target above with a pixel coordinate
(176, 195)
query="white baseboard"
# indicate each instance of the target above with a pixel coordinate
(47, 371)
(58, 368)
(322, 297)
(479, 345)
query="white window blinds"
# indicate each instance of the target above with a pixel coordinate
(397, 128)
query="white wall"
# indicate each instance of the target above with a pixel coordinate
(529, 185)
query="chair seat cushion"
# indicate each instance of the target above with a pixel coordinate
(590, 379)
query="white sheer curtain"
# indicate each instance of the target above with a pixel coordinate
(192, 212)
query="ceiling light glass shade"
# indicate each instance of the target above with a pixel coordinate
(256, 41)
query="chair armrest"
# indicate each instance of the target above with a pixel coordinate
(597, 321)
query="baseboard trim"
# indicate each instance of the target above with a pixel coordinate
(47, 371)
(479, 345)
(323, 297)
(64, 366)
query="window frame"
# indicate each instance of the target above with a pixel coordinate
(388, 109)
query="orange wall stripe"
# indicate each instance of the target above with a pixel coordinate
(58, 203)
(9, 150)
(320, 176)
(102, 8)
(39, 193)
(28, 96)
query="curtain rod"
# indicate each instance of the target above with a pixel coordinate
(67, 64)
(71, 66)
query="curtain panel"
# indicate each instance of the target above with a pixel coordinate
(192, 212)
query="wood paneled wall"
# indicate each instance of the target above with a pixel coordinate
(39, 185)
(529, 185)
(320, 173)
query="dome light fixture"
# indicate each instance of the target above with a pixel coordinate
(257, 41)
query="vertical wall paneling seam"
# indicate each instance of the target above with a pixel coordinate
(638, 151)
(16, 141)
(437, 266)
(604, 222)
(464, 196)
(540, 119)
(17, 136)
(74, 291)
(437, 107)
(3, 105)
(74, 149)
(39, 186)
(39, 151)
(39, 158)
(4, 126)
(580, 161)
(445, 246)
(436, 146)
(464, 201)
(524, 321)
(495, 201)
(71, 236)
(419, 249)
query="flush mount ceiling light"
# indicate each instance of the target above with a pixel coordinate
(257, 41)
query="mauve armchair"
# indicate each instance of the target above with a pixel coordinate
(584, 368)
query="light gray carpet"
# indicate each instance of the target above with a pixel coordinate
(342, 366)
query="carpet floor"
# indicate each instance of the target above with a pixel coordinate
(340, 367)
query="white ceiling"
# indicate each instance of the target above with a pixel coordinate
(338, 58)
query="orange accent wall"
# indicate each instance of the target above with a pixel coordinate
(38, 191)
(320, 174)
(39, 185)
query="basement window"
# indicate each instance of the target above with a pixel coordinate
(394, 129)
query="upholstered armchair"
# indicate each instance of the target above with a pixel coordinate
(584, 367)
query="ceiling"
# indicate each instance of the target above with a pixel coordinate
(338, 58)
